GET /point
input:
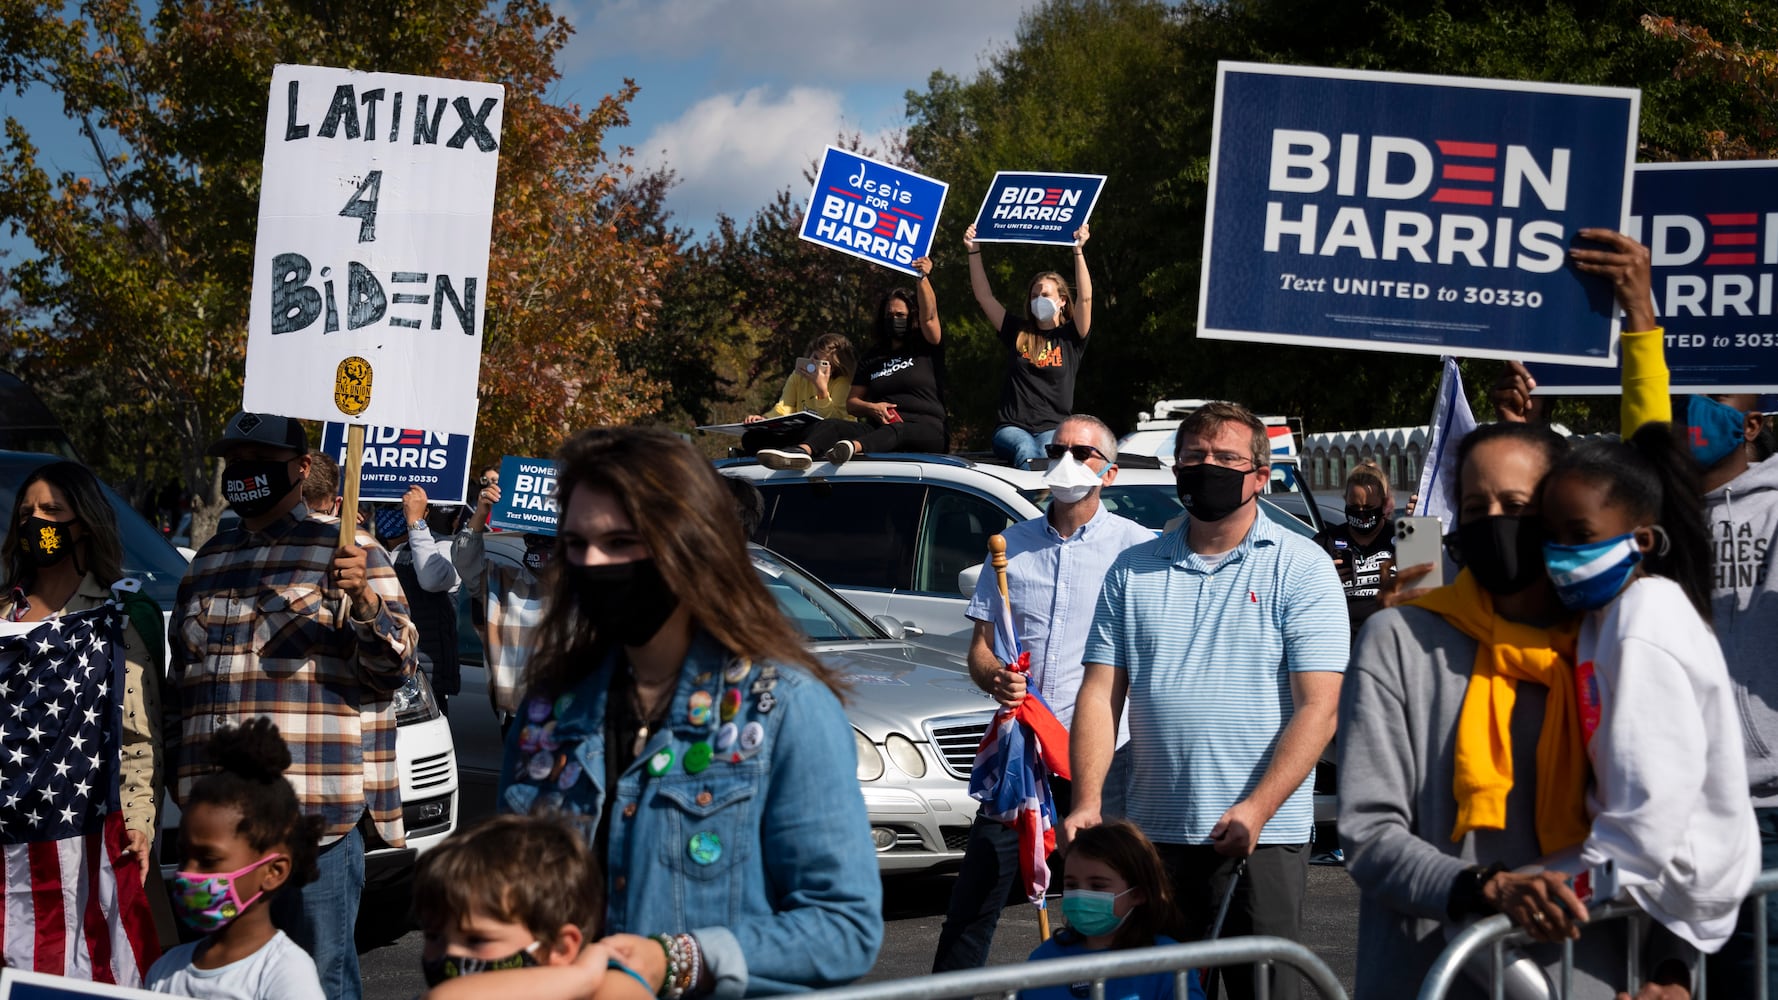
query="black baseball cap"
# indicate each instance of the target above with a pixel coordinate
(261, 428)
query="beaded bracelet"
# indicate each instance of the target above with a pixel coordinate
(684, 965)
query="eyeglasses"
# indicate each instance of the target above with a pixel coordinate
(1226, 459)
(1081, 452)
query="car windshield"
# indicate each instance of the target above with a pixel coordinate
(1152, 505)
(821, 614)
(146, 555)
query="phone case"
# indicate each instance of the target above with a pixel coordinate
(1420, 540)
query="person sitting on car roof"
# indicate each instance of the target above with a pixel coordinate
(899, 389)
(820, 384)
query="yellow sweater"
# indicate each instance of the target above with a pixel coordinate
(1647, 394)
(799, 395)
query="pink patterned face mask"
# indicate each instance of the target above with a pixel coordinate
(207, 901)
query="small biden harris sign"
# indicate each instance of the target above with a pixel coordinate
(1417, 214)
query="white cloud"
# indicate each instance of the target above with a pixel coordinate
(733, 152)
(837, 42)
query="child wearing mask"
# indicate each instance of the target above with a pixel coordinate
(244, 839)
(1627, 547)
(1115, 894)
(511, 907)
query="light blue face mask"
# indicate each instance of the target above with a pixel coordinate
(1589, 576)
(1092, 913)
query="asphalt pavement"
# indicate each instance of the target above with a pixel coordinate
(913, 910)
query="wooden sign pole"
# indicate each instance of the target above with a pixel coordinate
(349, 484)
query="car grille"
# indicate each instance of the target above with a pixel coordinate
(956, 837)
(956, 738)
(430, 772)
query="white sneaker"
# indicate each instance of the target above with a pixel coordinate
(785, 458)
(841, 452)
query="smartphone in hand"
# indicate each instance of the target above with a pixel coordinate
(808, 366)
(892, 416)
(1419, 540)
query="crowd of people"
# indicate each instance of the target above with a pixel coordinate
(681, 816)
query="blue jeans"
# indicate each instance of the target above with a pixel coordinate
(1020, 446)
(322, 916)
(991, 870)
(1734, 968)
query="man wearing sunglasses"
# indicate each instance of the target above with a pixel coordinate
(1225, 639)
(1054, 565)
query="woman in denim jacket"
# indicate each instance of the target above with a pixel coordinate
(678, 717)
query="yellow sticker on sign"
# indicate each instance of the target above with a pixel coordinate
(351, 386)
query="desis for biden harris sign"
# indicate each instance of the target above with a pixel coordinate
(370, 270)
(1412, 213)
(884, 214)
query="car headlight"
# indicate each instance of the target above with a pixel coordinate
(870, 762)
(414, 702)
(906, 755)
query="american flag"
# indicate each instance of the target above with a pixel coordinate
(69, 909)
(1021, 749)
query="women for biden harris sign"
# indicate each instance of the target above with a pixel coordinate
(1413, 214)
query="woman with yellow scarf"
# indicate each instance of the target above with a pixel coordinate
(1461, 754)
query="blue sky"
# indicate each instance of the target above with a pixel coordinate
(737, 96)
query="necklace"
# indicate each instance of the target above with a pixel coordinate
(647, 719)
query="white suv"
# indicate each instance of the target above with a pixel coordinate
(899, 534)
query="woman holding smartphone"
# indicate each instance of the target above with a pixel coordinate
(820, 384)
(898, 390)
(1043, 347)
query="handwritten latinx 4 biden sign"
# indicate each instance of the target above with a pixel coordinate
(370, 266)
(1413, 214)
(883, 214)
(1712, 235)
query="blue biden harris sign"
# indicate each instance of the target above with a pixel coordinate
(883, 214)
(1712, 235)
(1416, 214)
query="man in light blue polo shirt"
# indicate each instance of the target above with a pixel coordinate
(1054, 566)
(1226, 640)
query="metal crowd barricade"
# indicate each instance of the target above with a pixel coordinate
(1497, 933)
(1179, 959)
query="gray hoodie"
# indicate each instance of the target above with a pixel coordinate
(1743, 518)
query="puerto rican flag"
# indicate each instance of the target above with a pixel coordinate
(1021, 749)
(70, 908)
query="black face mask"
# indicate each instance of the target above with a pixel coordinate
(1211, 492)
(1505, 553)
(437, 970)
(46, 542)
(537, 552)
(1363, 518)
(253, 487)
(628, 601)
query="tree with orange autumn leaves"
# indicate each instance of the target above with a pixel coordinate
(131, 316)
(1751, 66)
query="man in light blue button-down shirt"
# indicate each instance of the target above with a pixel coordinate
(1054, 566)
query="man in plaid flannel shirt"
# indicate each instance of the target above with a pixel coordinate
(274, 618)
(510, 599)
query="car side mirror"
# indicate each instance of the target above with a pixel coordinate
(968, 578)
(890, 625)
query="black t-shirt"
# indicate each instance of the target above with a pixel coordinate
(908, 379)
(1039, 390)
(1367, 566)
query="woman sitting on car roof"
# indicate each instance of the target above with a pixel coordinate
(899, 389)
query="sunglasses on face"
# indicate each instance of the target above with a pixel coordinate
(1081, 452)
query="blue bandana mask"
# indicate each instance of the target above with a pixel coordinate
(1714, 429)
(1589, 576)
(1092, 913)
